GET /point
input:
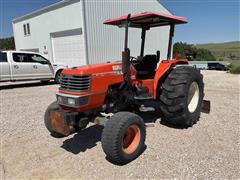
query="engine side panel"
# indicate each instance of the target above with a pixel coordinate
(103, 76)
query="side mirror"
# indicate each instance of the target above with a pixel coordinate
(45, 62)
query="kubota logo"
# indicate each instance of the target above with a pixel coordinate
(117, 68)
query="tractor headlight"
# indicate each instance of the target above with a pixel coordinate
(71, 101)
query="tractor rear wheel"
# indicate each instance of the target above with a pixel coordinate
(123, 138)
(181, 96)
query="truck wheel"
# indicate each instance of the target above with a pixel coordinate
(123, 138)
(47, 121)
(58, 76)
(181, 96)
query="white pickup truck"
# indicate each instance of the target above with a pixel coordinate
(21, 66)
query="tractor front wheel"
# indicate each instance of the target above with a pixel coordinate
(123, 137)
(181, 96)
(47, 119)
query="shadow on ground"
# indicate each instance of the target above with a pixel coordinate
(83, 140)
(88, 138)
(25, 85)
(151, 116)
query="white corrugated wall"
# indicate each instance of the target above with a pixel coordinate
(105, 43)
(67, 17)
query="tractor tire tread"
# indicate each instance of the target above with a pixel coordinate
(173, 96)
(111, 135)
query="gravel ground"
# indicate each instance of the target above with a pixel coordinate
(209, 150)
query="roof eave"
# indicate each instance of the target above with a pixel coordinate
(51, 7)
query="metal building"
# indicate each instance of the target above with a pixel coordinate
(72, 31)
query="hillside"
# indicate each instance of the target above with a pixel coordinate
(224, 51)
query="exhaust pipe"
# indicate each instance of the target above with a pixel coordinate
(126, 54)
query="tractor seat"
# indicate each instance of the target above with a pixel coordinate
(146, 67)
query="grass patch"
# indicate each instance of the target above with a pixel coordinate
(235, 67)
(223, 51)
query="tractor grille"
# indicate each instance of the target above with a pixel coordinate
(78, 83)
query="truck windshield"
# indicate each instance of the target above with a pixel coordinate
(3, 57)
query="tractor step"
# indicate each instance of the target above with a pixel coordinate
(141, 90)
(146, 109)
(142, 93)
(143, 96)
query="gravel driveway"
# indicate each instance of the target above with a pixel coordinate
(208, 150)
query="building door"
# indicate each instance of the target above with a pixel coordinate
(68, 47)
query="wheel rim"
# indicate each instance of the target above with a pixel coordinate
(193, 97)
(131, 139)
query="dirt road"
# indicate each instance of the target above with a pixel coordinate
(210, 149)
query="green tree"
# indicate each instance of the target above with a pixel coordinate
(184, 49)
(204, 55)
(190, 50)
(7, 43)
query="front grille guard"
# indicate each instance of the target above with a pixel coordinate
(75, 83)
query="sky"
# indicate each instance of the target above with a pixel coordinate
(210, 21)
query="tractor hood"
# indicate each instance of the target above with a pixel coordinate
(95, 68)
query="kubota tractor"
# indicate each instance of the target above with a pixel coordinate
(121, 88)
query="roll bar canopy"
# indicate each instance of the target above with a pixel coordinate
(147, 19)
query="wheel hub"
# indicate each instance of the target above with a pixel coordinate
(131, 139)
(193, 97)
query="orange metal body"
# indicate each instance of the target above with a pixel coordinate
(105, 75)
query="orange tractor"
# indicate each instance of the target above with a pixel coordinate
(122, 87)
